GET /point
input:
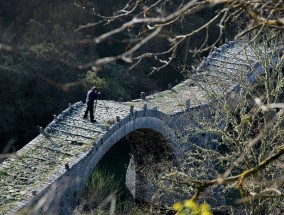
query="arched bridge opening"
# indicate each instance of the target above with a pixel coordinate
(152, 154)
(132, 162)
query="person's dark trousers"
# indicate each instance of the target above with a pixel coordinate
(90, 107)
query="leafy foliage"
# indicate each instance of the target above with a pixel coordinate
(190, 207)
(114, 82)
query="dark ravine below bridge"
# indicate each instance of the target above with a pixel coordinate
(50, 172)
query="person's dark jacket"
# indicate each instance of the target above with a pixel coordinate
(91, 97)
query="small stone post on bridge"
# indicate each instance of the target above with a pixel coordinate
(143, 96)
(187, 104)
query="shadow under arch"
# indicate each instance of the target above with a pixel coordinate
(63, 195)
(151, 155)
(145, 154)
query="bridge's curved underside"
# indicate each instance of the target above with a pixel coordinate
(65, 145)
(151, 154)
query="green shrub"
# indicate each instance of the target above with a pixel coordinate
(114, 82)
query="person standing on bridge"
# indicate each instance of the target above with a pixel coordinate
(92, 96)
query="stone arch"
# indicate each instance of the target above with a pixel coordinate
(148, 122)
(62, 196)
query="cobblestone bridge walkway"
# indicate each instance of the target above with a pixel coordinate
(68, 138)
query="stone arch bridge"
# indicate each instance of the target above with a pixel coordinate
(49, 173)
